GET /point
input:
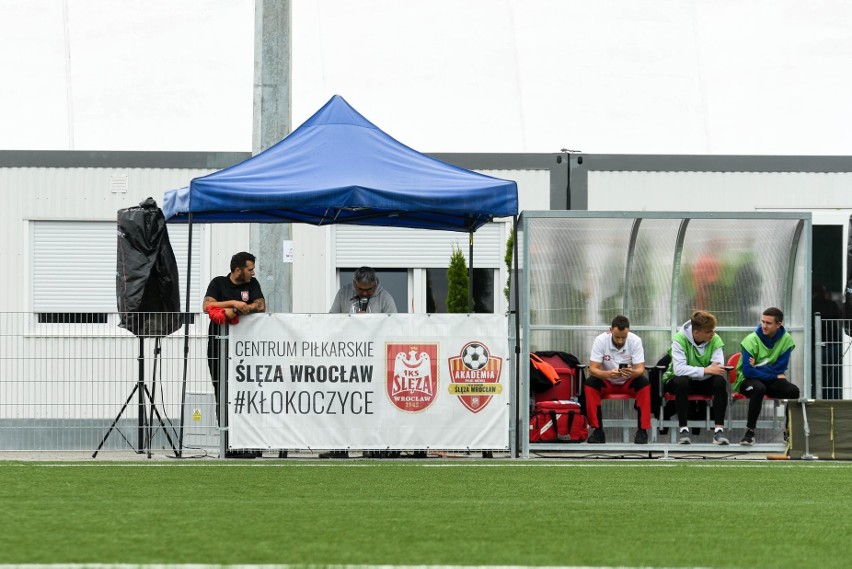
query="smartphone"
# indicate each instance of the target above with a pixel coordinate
(622, 366)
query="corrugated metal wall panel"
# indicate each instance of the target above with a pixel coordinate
(314, 282)
(74, 265)
(314, 273)
(74, 194)
(533, 186)
(179, 238)
(389, 247)
(718, 191)
(86, 193)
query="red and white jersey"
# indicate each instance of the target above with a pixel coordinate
(605, 353)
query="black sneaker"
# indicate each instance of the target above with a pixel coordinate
(683, 438)
(597, 437)
(748, 438)
(720, 439)
(282, 454)
(641, 437)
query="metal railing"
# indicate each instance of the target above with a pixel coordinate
(832, 369)
(72, 382)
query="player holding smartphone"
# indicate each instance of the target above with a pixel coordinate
(616, 366)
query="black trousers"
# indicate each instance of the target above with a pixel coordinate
(213, 366)
(681, 387)
(756, 389)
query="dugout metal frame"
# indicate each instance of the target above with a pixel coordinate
(576, 270)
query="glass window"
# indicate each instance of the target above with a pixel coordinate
(437, 289)
(395, 281)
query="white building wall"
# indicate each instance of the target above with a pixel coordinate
(50, 370)
(314, 274)
(89, 194)
(225, 240)
(827, 195)
(719, 191)
(96, 194)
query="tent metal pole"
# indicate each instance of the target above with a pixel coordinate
(179, 451)
(470, 273)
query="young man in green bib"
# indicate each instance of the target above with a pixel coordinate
(762, 369)
(696, 367)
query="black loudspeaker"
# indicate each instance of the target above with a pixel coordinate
(146, 281)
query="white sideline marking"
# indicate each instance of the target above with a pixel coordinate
(309, 566)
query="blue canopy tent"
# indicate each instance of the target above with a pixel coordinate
(338, 167)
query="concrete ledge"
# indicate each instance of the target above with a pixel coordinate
(652, 449)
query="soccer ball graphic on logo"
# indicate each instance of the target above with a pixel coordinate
(475, 356)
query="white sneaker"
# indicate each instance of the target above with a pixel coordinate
(683, 438)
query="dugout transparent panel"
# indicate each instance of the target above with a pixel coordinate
(650, 282)
(579, 342)
(585, 270)
(576, 270)
(580, 269)
(735, 268)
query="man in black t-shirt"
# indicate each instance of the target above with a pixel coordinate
(236, 294)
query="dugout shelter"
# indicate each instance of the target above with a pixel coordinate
(576, 270)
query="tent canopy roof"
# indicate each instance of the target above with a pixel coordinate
(338, 167)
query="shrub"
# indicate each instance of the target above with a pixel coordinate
(457, 283)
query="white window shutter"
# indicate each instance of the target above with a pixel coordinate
(397, 247)
(74, 265)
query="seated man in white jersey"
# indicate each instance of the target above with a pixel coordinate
(617, 365)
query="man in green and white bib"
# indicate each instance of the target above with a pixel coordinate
(762, 369)
(696, 367)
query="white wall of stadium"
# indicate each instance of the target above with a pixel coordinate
(59, 247)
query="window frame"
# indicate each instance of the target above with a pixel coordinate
(57, 257)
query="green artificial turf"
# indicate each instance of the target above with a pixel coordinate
(435, 512)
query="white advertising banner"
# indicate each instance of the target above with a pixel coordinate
(369, 381)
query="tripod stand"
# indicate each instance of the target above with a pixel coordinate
(145, 425)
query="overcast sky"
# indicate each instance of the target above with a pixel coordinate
(603, 76)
